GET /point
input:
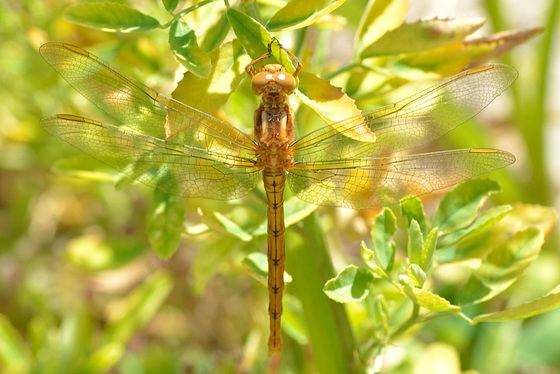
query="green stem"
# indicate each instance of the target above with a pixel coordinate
(411, 321)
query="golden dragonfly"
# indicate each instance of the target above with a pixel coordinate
(180, 150)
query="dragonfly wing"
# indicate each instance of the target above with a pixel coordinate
(375, 182)
(173, 168)
(411, 122)
(139, 107)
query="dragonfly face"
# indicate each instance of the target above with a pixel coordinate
(173, 147)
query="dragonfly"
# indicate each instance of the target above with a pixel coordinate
(357, 163)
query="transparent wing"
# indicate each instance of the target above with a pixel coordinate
(375, 182)
(141, 108)
(411, 122)
(173, 168)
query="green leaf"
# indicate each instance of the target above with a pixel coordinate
(257, 264)
(526, 310)
(429, 249)
(223, 224)
(170, 5)
(255, 38)
(423, 35)
(461, 205)
(382, 232)
(215, 34)
(182, 41)
(428, 300)
(128, 315)
(297, 14)
(415, 243)
(110, 17)
(416, 275)
(210, 259)
(482, 223)
(104, 358)
(380, 17)
(166, 223)
(411, 208)
(208, 95)
(12, 348)
(368, 256)
(502, 267)
(350, 285)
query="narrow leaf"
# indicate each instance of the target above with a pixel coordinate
(170, 5)
(382, 232)
(257, 264)
(415, 243)
(166, 221)
(526, 310)
(416, 275)
(12, 348)
(183, 43)
(110, 17)
(502, 267)
(350, 285)
(368, 256)
(295, 210)
(423, 35)
(130, 314)
(429, 249)
(461, 205)
(297, 14)
(223, 224)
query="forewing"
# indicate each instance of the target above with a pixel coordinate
(377, 182)
(141, 108)
(173, 168)
(411, 122)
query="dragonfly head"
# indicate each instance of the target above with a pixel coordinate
(273, 77)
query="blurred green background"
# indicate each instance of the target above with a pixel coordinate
(79, 282)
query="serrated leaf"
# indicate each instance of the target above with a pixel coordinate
(412, 209)
(183, 43)
(349, 286)
(332, 104)
(415, 243)
(128, 315)
(170, 5)
(423, 35)
(110, 17)
(12, 348)
(460, 206)
(380, 17)
(166, 223)
(257, 264)
(525, 310)
(428, 300)
(297, 14)
(208, 95)
(469, 53)
(382, 232)
(502, 267)
(480, 224)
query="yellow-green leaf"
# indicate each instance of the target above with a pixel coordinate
(110, 17)
(183, 43)
(526, 310)
(423, 35)
(332, 104)
(297, 14)
(380, 17)
(208, 95)
(428, 300)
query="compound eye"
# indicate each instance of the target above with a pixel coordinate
(260, 80)
(286, 81)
